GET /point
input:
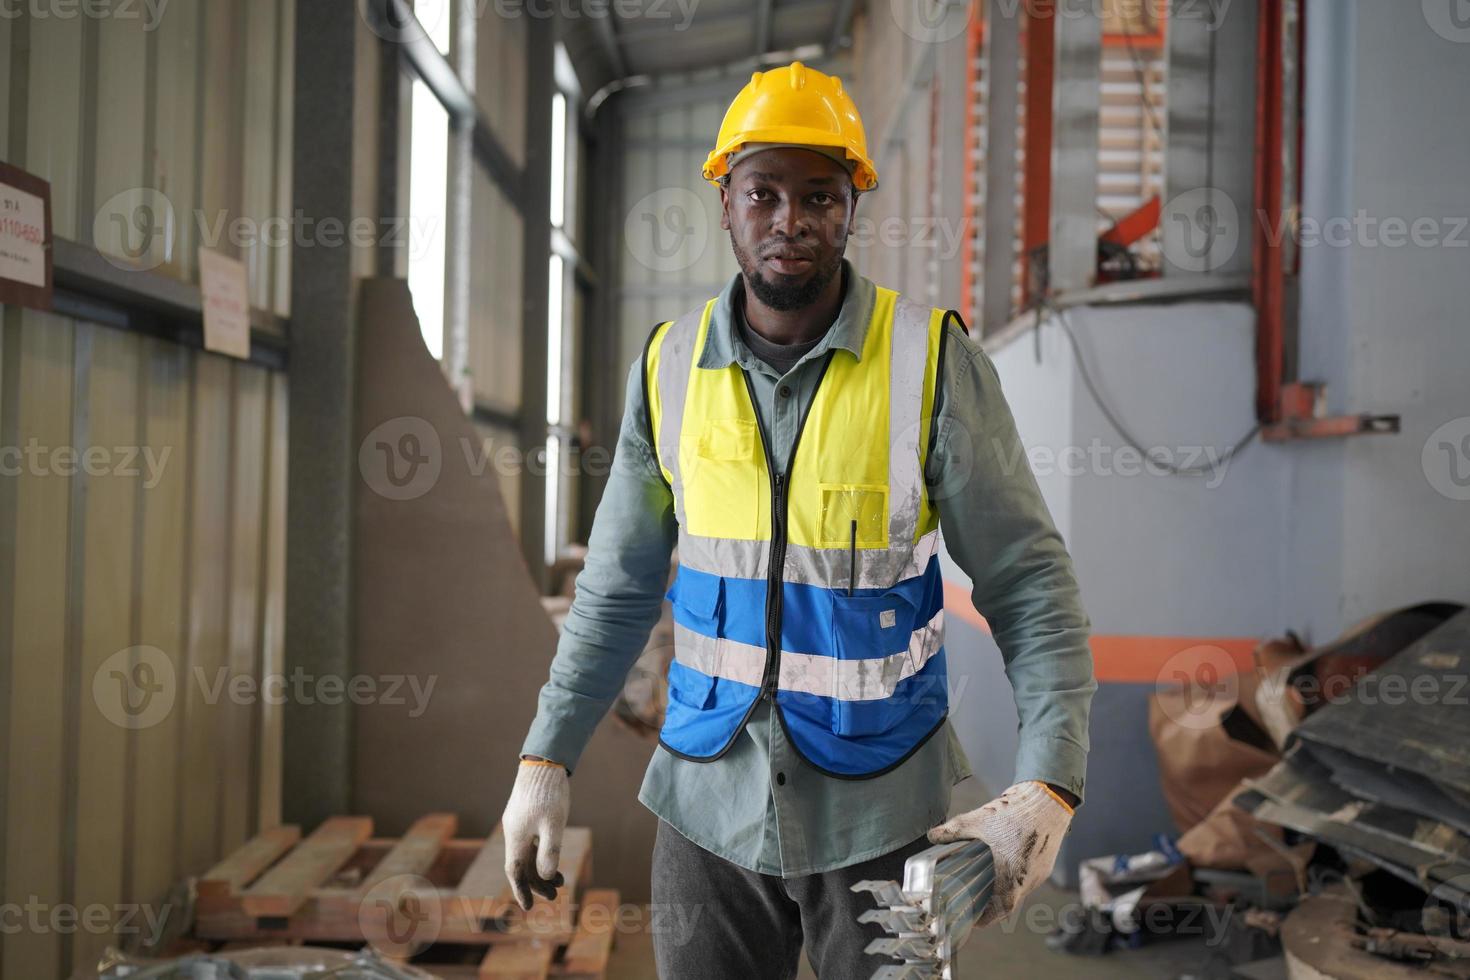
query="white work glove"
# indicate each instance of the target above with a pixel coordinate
(533, 822)
(1024, 827)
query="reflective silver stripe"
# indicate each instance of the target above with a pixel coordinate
(868, 679)
(808, 566)
(675, 362)
(905, 411)
(726, 557)
(719, 657)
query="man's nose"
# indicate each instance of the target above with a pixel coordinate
(790, 219)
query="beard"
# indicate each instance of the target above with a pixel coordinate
(782, 295)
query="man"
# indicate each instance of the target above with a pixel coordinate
(801, 437)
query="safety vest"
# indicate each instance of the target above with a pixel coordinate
(812, 581)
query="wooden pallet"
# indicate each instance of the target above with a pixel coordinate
(341, 884)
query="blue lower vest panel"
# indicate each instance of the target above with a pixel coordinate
(842, 737)
(864, 738)
(704, 712)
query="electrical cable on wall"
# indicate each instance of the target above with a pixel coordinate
(1060, 315)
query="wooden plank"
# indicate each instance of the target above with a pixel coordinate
(587, 954)
(485, 882)
(576, 859)
(283, 889)
(484, 892)
(529, 960)
(484, 900)
(416, 852)
(231, 876)
(398, 871)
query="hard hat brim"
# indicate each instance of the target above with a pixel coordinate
(716, 165)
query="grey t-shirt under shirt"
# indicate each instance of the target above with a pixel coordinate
(782, 357)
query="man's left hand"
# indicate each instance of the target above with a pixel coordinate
(1024, 827)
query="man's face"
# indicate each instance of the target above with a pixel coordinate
(789, 212)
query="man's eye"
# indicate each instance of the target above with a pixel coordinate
(824, 199)
(760, 195)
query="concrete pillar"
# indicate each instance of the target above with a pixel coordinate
(335, 171)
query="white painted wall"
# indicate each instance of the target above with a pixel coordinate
(1308, 536)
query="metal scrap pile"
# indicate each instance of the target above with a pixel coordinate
(1339, 774)
(274, 963)
(1380, 773)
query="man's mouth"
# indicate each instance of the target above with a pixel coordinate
(789, 261)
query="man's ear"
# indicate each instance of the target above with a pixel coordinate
(725, 206)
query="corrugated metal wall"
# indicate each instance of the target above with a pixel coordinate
(143, 518)
(142, 483)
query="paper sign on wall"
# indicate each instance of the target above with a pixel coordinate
(25, 239)
(222, 280)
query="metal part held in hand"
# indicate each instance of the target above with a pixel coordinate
(945, 889)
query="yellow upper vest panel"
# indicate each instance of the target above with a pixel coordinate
(839, 492)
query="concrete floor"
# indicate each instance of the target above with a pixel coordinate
(1013, 951)
(995, 954)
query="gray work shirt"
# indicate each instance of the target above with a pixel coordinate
(760, 805)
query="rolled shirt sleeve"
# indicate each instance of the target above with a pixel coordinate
(998, 529)
(619, 594)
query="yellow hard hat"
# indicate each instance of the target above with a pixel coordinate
(793, 106)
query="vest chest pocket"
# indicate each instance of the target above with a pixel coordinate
(722, 479)
(853, 515)
(870, 637)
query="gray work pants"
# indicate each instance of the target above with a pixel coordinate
(741, 925)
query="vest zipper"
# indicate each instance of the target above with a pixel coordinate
(774, 585)
(775, 576)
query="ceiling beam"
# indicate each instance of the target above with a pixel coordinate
(763, 26)
(841, 25)
(710, 23)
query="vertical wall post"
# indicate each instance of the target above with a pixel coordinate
(334, 177)
(1077, 102)
(1039, 28)
(1269, 274)
(535, 259)
(1002, 118)
(457, 238)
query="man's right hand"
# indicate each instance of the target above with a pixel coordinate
(533, 822)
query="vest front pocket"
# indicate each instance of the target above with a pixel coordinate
(698, 599)
(853, 516)
(690, 687)
(871, 636)
(722, 479)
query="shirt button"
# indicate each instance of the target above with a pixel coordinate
(785, 391)
(780, 779)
